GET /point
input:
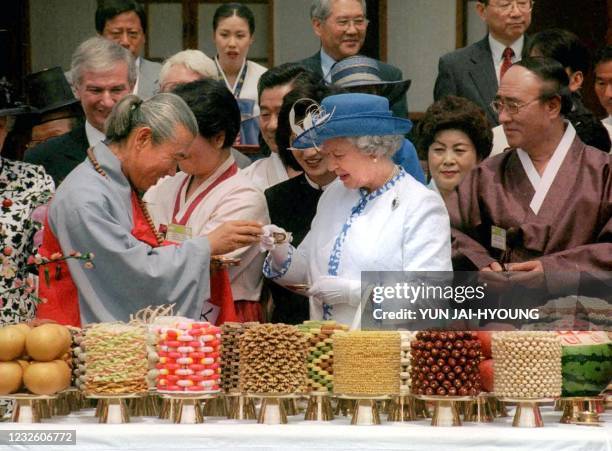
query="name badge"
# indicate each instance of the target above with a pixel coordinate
(178, 233)
(498, 238)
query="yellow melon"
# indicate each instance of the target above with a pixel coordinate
(12, 342)
(66, 372)
(23, 327)
(11, 377)
(47, 342)
(45, 378)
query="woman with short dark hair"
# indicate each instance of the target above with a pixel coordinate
(293, 203)
(454, 136)
(210, 190)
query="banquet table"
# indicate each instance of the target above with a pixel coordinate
(216, 433)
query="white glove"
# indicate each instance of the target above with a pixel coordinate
(272, 236)
(335, 290)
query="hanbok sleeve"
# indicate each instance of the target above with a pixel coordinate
(128, 271)
(466, 222)
(593, 257)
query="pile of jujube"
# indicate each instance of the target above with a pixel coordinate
(446, 363)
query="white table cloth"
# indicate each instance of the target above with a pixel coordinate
(152, 434)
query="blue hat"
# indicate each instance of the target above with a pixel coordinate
(345, 115)
(358, 71)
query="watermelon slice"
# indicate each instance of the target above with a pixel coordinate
(586, 363)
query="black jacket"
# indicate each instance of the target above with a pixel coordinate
(61, 154)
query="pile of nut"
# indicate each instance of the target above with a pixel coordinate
(78, 357)
(527, 364)
(366, 363)
(446, 364)
(230, 354)
(405, 338)
(272, 359)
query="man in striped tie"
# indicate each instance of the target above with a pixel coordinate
(474, 71)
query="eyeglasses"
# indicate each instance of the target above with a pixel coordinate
(358, 22)
(511, 107)
(523, 6)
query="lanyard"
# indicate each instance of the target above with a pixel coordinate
(232, 170)
(237, 89)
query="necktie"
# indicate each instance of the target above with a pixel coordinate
(506, 61)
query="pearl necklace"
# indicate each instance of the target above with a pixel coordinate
(394, 172)
(143, 206)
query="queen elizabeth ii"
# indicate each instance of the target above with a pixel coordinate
(374, 217)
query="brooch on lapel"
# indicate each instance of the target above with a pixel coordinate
(395, 203)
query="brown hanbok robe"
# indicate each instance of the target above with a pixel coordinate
(571, 232)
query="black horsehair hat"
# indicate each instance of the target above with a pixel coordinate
(48, 90)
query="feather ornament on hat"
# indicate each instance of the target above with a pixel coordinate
(314, 116)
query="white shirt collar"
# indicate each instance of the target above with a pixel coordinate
(607, 120)
(497, 48)
(315, 185)
(94, 136)
(497, 51)
(326, 64)
(137, 63)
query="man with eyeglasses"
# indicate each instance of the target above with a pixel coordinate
(545, 205)
(341, 26)
(565, 47)
(474, 71)
(125, 22)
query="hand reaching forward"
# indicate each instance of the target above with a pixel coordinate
(233, 235)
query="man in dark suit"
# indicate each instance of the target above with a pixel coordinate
(125, 22)
(341, 25)
(474, 72)
(103, 73)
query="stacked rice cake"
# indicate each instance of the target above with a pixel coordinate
(367, 363)
(320, 353)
